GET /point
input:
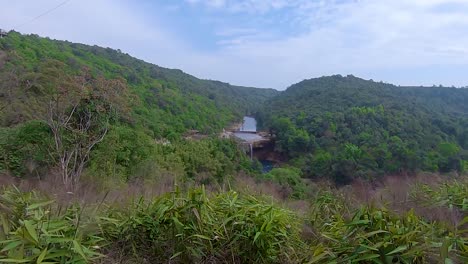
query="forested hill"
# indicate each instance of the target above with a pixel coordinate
(169, 101)
(358, 128)
(100, 112)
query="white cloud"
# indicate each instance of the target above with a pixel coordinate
(107, 23)
(379, 39)
(363, 38)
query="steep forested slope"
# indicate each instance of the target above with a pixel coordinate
(355, 127)
(170, 100)
(59, 99)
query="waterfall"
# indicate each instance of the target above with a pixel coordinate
(251, 151)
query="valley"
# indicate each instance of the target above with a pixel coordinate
(106, 158)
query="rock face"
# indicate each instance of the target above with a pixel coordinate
(266, 151)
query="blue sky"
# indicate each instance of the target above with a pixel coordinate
(269, 43)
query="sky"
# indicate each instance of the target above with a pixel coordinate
(267, 43)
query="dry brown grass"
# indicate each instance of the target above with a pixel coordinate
(394, 193)
(249, 185)
(90, 192)
(7, 180)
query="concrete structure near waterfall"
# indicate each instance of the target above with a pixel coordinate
(248, 136)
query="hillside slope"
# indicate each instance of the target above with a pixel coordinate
(355, 127)
(170, 100)
(60, 100)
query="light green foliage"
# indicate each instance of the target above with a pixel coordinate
(375, 235)
(453, 195)
(121, 152)
(353, 152)
(290, 139)
(464, 166)
(32, 231)
(25, 148)
(448, 149)
(321, 163)
(125, 152)
(196, 228)
(289, 179)
(364, 110)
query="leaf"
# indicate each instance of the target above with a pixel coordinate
(319, 257)
(58, 254)
(14, 260)
(176, 254)
(11, 246)
(5, 226)
(256, 236)
(397, 250)
(369, 247)
(366, 257)
(374, 233)
(42, 256)
(448, 261)
(177, 222)
(37, 205)
(79, 249)
(358, 222)
(464, 221)
(202, 237)
(445, 248)
(31, 230)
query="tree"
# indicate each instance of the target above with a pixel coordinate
(79, 110)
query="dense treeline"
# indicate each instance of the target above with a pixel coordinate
(346, 127)
(89, 109)
(169, 101)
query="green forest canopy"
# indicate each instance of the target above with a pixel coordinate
(334, 127)
(347, 127)
(152, 106)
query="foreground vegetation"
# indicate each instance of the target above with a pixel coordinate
(230, 227)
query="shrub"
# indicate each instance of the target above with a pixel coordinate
(25, 148)
(226, 228)
(31, 231)
(373, 235)
(288, 178)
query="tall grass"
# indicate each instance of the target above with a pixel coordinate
(196, 226)
(33, 230)
(341, 231)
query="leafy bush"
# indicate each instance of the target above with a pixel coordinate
(226, 228)
(289, 179)
(373, 235)
(32, 232)
(194, 227)
(25, 148)
(453, 195)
